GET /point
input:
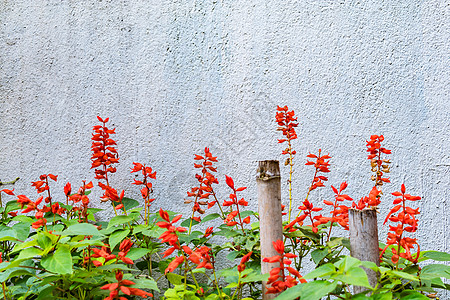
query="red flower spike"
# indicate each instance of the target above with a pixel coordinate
(379, 165)
(406, 221)
(277, 279)
(147, 189)
(204, 190)
(230, 219)
(123, 286)
(104, 153)
(339, 214)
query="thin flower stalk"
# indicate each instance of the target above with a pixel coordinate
(147, 189)
(286, 124)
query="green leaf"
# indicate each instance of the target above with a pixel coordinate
(29, 253)
(434, 271)
(354, 276)
(59, 262)
(91, 212)
(187, 222)
(336, 241)
(210, 217)
(8, 235)
(247, 213)
(136, 253)
(437, 255)
(44, 241)
(227, 232)
(117, 237)
(232, 255)
(319, 254)
(13, 272)
(22, 218)
(129, 203)
(21, 246)
(175, 279)
(81, 229)
(370, 265)
(12, 205)
(84, 243)
(347, 263)
(384, 296)
(413, 295)
(146, 283)
(232, 285)
(46, 293)
(403, 275)
(255, 277)
(120, 220)
(313, 290)
(188, 238)
(304, 232)
(320, 272)
(255, 225)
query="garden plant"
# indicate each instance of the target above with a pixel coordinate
(53, 246)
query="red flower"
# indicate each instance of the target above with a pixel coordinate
(407, 221)
(230, 219)
(170, 236)
(147, 189)
(244, 260)
(379, 165)
(104, 153)
(8, 192)
(122, 285)
(174, 264)
(206, 179)
(278, 281)
(322, 166)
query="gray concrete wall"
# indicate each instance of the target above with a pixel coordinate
(176, 76)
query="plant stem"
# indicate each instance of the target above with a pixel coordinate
(291, 164)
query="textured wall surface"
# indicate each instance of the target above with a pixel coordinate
(176, 76)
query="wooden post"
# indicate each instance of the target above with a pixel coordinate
(364, 240)
(269, 207)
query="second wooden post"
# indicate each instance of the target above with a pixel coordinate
(269, 207)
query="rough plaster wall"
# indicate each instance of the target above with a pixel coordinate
(176, 76)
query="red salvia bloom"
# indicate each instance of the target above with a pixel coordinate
(78, 197)
(373, 200)
(322, 166)
(406, 221)
(278, 280)
(42, 185)
(147, 189)
(287, 123)
(104, 154)
(170, 236)
(205, 189)
(339, 212)
(244, 260)
(122, 285)
(230, 219)
(379, 165)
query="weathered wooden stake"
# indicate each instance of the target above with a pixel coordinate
(269, 207)
(364, 240)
